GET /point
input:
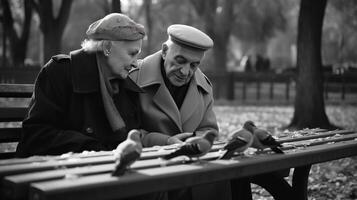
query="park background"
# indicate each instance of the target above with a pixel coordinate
(280, 63)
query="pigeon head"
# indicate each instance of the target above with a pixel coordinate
(210, 136)
(134, 135)
(249, 125)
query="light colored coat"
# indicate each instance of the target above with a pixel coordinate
(160, 113)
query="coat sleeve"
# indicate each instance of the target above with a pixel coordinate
(209, 120)
(44, 131)
(150, 139)
(208, 123)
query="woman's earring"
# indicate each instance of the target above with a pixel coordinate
(106, 52)
(106, 46)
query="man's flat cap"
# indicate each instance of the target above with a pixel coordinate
(189, 36)
(115, 26)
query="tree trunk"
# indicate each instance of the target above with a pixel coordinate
(218, 27)
(51, 44)
(116, 6)
(222, 30)
(51, 26)
(222, 86)
(18, 53)
(147, 5)
(309, 107)
(4, 49)
(18, 41)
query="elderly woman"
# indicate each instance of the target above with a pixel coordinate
(84, 101)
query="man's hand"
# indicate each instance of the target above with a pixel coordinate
(179, 138)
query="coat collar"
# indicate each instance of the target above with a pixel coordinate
(150, 74)
(85, 76)
(84, 72)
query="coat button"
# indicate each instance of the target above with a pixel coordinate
(89, 130)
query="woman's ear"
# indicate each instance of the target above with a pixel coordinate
(107, 47)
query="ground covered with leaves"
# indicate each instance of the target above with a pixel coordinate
(331, 180)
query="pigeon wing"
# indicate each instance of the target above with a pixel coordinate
(273, 144)
(232, 146)
(124, 162)
(270, 141)
(235, 143)
(189, 149)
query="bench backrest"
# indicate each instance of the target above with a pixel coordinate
(14, 100)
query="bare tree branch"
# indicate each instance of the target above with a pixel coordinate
(63, 14)
(45, 11)
(116, 6)
(28, 17)
(18, 41)
(8, 20)
(35, 5)
(199, 6)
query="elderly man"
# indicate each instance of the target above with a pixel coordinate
(84, 101)
(178, 99)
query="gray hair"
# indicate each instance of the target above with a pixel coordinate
(90, 45)
(169, 42)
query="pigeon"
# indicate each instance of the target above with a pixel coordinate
(194, 146)
(238, 142)
(262, 138)
(127, 152)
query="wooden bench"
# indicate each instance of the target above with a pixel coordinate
(11, 114)
(88, 175)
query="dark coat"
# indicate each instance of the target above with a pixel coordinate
(66, 113)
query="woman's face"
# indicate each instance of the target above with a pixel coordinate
(123, 57)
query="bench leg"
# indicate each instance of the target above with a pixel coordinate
(275, 184)
(241, 189)
(211, 191)
(300, 182)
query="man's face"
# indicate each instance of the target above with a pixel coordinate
(180, 63)
(123, 57)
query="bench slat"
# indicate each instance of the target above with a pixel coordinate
(317, 135)
(12, 114)
(49, 163)
(105, 186)
(16, 90)
(148, 153)
(314, 142)
(38, 159)
(10, 134)
(7, 155)
(33, 167)
(16, 184)
(16, 187)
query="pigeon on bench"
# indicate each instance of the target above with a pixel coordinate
(194, 146)
(127, 152)
(262, 138)
(238, 142)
